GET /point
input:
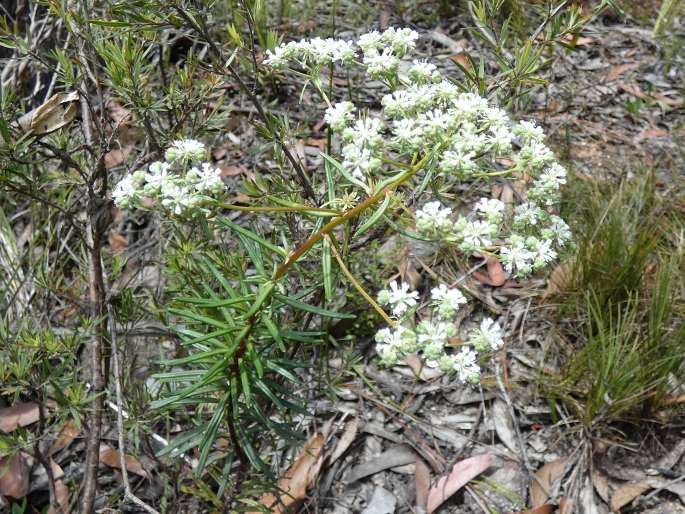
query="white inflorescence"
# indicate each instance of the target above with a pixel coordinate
(427, 124)
(180, 184)
(430, 337)
(465, 137)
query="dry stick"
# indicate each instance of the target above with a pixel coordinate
(128, 494)
(512, 414)
(95, 296)
(94, 234)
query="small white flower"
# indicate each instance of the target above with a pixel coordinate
(434, 334)
(541, 250)
(529, 131)
(370, 41)
(207, 180)
(535, 155)
(545, 190)
(366, 132)
(408, 135)
(185, 150)
(379, 65)
(400, 298)
(527, 214)
(157, 178)
(469, 105)
(360, 161)
(517, 259)
(423, 72)
(559, 230)
(401, 40)
(392, 345)
(495, 117)
(179, 199)
(448, 301)
(488, 336)
(492, 209)
(465, 365)
(433, 219)
(475, 235)
(500, 139)
(125, 192)
(339, 115)
(454, 161)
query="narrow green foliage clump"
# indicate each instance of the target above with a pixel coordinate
(623, 307)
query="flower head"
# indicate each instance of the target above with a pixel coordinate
(447, 301)
(339, 115)
(488, 336)
(185, 150)
(399, 297)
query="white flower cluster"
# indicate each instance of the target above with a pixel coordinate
(456, 136)
(181, 183)
(430, 337)
(311, 53)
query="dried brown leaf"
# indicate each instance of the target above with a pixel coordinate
(347, 438)
(397, 456)
(111, 457)
(559, 279)
(462, 473)
(495, 271)
(14, 476)
(297, 479)
(422, 477)
(117, 241)
(66, 435)
(627, 492)
(58, 111)
(18, 415)
(616, 71)
(61, 490)
(231, 170)
(545, 479)
(117, 156)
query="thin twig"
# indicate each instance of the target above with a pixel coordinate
(128, 494)
(512, 414)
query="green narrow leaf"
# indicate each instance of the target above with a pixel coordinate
(273, 331)
(313, 309)
(373, 219)
(251, 235)
(210, 435)
(245, 383)
(327, 270)
(343, 171)
(198, 317)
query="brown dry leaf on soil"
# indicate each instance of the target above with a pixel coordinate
(117, 241)
(110, 457)
(14, 476)
(347, 438)
(61, 490)
(18, 415)
(462, 473)
(627, 492)
(298, 478)
(422, 477)
(545, 479)
(616, 71)
(559, 279)
(496, 276)
(66, 435)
